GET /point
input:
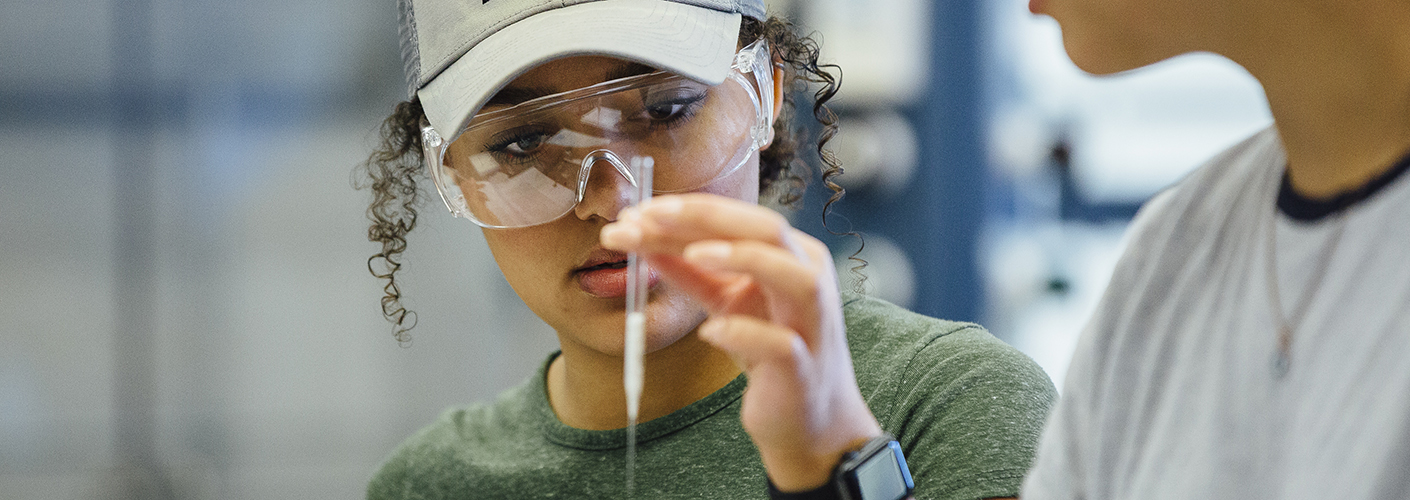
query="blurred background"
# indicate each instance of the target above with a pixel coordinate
(186, 310)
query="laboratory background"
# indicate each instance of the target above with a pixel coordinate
(186, 310)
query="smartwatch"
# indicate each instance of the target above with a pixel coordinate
(877, 471)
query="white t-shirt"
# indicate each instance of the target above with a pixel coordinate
(1173, 393)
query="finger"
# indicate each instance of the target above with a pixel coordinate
(711, 288)
(624, 235)
(775, 269)
(797, 287)
(795, 248)
(670, 222)
(754, 343)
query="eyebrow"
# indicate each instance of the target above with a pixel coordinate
(510, 96)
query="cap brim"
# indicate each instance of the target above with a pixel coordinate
(694, 42)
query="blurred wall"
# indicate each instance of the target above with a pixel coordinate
(187, 310)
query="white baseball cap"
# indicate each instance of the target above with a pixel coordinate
(458, 53)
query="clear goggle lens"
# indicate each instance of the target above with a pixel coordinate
(529, 164)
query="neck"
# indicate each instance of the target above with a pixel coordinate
(1337, 77)
(585, 386)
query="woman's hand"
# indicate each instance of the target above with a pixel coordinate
(771, 292)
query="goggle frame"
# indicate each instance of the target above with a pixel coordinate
(754, 61)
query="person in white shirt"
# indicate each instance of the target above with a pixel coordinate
(1255, 338)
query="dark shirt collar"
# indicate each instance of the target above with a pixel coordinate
(1306, 209)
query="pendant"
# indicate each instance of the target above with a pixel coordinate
(1280, 365)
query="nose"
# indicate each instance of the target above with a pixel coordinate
(603, 192)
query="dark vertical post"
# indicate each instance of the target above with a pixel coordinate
(941, 214)
(135, 121)
(937, 218)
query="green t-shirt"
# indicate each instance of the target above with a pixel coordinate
(966, 408)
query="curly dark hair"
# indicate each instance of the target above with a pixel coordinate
(393, 169)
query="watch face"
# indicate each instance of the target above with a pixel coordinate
(879, 478)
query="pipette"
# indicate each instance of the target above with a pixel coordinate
(638, 278)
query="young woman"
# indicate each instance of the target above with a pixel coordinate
(1255, 336)
(760, 377)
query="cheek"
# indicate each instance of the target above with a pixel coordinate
(742, 185)
(524, 257)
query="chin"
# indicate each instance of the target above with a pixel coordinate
(670, 317)
(1093, 56)
(1111, 54)
(1101, 67)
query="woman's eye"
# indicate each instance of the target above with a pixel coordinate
(524, 145)
(664, 111)
(521, 143)
(669, 109)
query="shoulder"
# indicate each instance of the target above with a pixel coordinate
(436, 456)
(1183, 245)
(966, 407)
(1205, 199)
(1194, 232)
(891, 345)
(879, 331)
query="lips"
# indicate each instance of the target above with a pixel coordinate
(604, 274)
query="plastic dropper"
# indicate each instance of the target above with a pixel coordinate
(638, 275)
(637, 280)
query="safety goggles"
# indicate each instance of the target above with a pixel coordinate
(529, 164)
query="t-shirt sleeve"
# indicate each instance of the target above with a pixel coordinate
(389, 483)
(969, 416)
(425, 466)
(395, 480)
(407, 473)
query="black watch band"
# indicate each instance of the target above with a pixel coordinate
(876, 471)
(828, 491)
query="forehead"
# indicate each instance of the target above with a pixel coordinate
(562, 75)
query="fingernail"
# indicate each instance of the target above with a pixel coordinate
(619, 236)
(708, 253)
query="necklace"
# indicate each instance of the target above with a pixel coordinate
(1287, 326)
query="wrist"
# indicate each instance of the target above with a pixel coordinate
(876, 470)
(810, 463)
(828, 491)
(797, 472)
